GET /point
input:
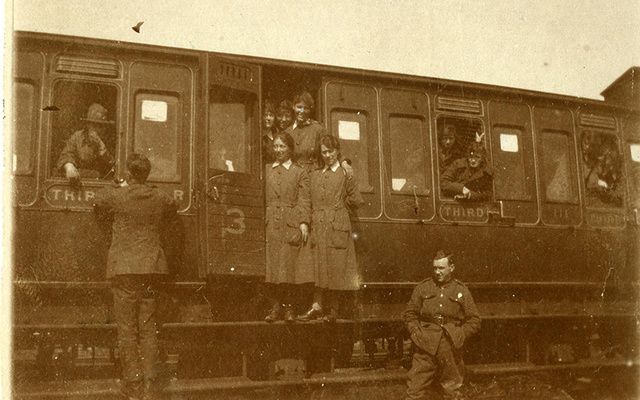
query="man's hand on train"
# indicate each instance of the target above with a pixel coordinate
(71, 172)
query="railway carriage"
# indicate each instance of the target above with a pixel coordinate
(552, 263)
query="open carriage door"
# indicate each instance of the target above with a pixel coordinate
(234, 188)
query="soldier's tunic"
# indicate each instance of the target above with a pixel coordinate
(478, 180)
(440, 317)
(445, 159)
(83, 149)
(332, 194)
(288, 205)
(135, 262)
(307, 139)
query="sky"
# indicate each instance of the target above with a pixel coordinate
(572, 47)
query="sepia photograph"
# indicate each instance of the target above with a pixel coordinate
(341, 199)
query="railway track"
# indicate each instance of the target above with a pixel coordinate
(491, 381)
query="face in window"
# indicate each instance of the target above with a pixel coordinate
(281, 150)
(97, 128)
(591, 147)
(448, 138)
(475, 156)
(268, 119)
(329, 156)
(284, 119)
(302, 111)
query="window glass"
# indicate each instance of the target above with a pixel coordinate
(601, 169)
(509, 176)
(635, 152)
(157, 134)
(634, 148)
(407, 155)
(83, 128)
(352, 127)
(231, 114)
(24, 120)
(559, 176)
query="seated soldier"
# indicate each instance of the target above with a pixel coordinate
(469, 178)
(85, 150)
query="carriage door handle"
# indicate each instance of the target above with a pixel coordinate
(212, 190)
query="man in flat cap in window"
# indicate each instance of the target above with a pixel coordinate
(84, 150)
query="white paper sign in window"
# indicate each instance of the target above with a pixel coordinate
(635, 152)
(509, 142)
(397, 184)
(154, 111)
(349, 130)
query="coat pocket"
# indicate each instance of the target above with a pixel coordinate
(340, 231)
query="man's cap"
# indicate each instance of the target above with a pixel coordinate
(97, 114)
(440, 254)
(476, 149)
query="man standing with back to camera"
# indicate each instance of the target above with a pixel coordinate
(440, 316)
(135, 266)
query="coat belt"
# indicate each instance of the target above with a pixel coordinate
(439, 319)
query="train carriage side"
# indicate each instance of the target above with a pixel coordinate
(151, 96)
(549, 245)
(546, 256)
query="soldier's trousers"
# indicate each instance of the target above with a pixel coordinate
(445, 367)
(134, 308)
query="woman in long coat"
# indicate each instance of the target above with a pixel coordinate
(287, 226)
(333, 193)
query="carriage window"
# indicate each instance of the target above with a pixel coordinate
(83, 128)
(601, 169)
(407, 155)
(635, 152)
(559, 176)
(509, 177)
(352, 127)
(24, 120)
(157, 134)
(231, 120)
(454, 137)
(634, 148)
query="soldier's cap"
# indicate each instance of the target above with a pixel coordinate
(440, 254)
(476, 149)
(97, 114)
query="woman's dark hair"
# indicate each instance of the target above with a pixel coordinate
(268, 107)
(285, 106)
(286, 139)
(139, 167)
(331, 142)
(304, 97)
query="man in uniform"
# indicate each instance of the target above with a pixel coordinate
(135, 265)
(85, 149)
(469, 178)
(448, 150)
(440, 316)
